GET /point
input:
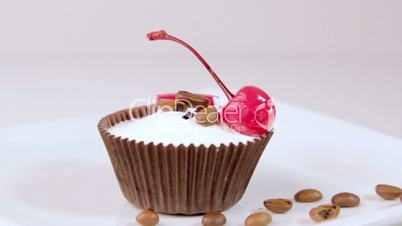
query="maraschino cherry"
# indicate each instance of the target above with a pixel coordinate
(249, 112)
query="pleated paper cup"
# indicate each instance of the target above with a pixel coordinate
(189, 180)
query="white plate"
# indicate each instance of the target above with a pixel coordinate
(58, 173)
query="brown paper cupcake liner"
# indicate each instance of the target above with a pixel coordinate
(179, 179)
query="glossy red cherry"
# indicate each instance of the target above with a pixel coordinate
(250, 112)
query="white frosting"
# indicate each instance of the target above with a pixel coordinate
(171, 128)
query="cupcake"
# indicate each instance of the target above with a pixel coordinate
(186, 154)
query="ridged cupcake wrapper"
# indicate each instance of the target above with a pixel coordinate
(179, 179)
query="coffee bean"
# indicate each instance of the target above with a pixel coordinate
(388, 192)
(171, 105)
(308, 195)
(192, 100)
(325, 212)
(258, 219)
(213, 219)
(278, 205)
(207, 116)
(345, 199)
(148, 218)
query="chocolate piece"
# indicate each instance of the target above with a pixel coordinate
(192, 100)
(179, 179)
(181, 106)
(166, 104)
(173, 96)
(172, 105)
(188, 115)
(207, 116)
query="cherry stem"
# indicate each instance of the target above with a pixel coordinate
(162, 35)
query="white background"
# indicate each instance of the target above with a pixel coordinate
(62, 58)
